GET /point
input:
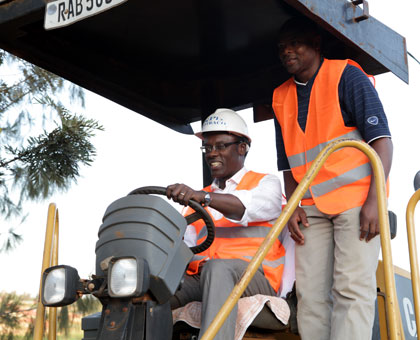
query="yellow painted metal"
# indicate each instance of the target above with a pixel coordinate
(50, 258)
(52, 311)
(383, 329)
(382, 306)
(395, 327)
(412, 248)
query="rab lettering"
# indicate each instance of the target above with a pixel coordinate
(76, 8)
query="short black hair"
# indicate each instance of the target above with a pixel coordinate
(242, 139)
(299, 27)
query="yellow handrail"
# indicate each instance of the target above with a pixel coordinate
(395, 328)
(50, 258)
(412, 248)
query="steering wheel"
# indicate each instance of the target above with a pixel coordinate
(199, 213)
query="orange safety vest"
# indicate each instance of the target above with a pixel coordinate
(234, 241)
(344, 179)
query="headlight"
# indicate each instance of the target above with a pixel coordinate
(128, 277)
(59, 286)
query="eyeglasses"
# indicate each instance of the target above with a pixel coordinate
(218, 147)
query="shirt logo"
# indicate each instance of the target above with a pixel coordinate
(373, 120)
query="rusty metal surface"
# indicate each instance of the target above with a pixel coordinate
(176, 61)
(12, 10)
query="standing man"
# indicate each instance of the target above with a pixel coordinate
(243, 205)
(336, 225)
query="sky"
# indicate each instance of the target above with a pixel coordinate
(134, 151)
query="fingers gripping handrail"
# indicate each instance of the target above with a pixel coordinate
(391, 296)
(50, 258)
(412, 248)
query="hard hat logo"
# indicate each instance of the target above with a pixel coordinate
(225, 120)
(214, 121)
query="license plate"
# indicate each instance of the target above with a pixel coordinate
(66, 12)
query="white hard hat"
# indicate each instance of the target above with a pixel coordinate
(224, 120)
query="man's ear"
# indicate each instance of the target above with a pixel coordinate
(316, 43)
(243, 149)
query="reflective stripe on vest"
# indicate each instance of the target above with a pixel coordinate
(299, 159)
(237, 232)
(344, 179)
(233, 241)
(272, 264)
(307, 194)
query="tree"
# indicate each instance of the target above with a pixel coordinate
(35, 167)
(29, 334)
(64, 323)
(15, 315)
(10, 314)
(87, 304)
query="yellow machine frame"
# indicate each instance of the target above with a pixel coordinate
(390, 320)
(50, 258)
(412, 248)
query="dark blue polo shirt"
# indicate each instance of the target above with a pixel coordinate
(359, 103)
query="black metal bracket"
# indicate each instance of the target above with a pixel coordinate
(365, 8)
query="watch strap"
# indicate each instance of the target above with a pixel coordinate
(207, 199)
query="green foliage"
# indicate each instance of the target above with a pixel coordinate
(35, 167)
(83, 306)
(11, 241)
(51, 160)
(29, 334)
(10, 314)
(16, 321)
(88, 304)
(64, 323)
(8, 336)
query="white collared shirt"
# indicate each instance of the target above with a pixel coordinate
(262, 203)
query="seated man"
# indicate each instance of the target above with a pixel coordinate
(243, 205)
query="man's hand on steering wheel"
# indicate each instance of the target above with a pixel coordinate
(182, 193)
(199, 213)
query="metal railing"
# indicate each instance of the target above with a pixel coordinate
(412, 248)
(50, 258)
(395, 328)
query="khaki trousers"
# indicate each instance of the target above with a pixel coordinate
(213, 286)
(335, 278)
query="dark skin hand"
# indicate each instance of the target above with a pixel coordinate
(229, 205)
(299, 215)
(369, 221)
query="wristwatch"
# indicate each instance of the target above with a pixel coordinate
(207, 199)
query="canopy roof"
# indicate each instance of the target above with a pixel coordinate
(177, 61)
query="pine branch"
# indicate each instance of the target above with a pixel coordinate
(4, 164)
(36, 167)
(19, 83)
(51, 161)
(12, 240)
(15, 101)
(10, 303)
